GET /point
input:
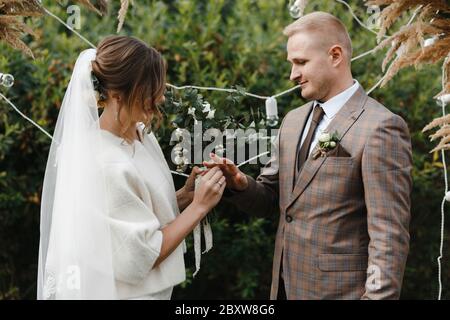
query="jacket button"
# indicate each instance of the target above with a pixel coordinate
(288, 218)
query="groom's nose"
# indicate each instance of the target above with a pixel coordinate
(295, 73)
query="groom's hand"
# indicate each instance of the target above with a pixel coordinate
(235, 179)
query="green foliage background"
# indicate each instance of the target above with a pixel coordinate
(212, 43)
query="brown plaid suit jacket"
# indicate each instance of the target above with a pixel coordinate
(344, 225)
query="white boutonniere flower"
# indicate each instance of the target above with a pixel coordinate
(327, 142)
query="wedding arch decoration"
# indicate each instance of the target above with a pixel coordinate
(424, 39)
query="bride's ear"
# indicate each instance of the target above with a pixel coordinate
(116, 96)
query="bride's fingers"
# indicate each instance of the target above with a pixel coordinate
(220, 185)
(211, 172)
(223, 186)
(216, 177)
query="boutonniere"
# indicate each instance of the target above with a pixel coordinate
(327, 142)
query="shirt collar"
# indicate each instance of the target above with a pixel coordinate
(332, 106)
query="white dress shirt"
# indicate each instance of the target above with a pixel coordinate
(331, 108)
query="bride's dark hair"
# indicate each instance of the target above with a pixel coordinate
(135, 70)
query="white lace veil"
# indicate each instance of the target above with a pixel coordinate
(75, 252)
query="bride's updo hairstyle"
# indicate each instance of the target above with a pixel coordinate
(136, 71)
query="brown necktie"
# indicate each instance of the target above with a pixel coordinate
(304, 150)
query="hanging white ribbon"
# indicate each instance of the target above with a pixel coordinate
(207, 233)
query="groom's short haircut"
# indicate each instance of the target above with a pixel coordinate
(327, 28)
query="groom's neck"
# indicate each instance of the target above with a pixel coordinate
(337, 88)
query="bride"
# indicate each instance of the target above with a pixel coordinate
(111, 226)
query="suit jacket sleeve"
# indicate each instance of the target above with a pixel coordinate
(262, 195)
(386, 171)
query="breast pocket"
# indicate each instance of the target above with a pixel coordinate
(341, 168)
(339, 161)
(339, 179)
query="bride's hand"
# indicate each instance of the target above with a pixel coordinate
(185, 195)
(209, 190)
(189, 186)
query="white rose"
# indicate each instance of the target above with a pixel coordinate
(324, 137)
(219, 149)
(206, 107)
(180, 161)
(178, 133)
(191, 111)
(211, 114)
(332, 144)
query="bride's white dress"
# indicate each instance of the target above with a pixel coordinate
(104, 203)
(141, 200)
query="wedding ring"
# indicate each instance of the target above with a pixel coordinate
(219, 183)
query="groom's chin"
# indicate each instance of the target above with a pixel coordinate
(306, 96)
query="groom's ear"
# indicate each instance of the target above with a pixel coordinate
(337, 55)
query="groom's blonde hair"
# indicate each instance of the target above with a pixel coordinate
(327, 29)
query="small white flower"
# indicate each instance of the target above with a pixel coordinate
(178, 133)
(327, 142)
(211, 114)
(179, 160)
(178, 150)
(219, 149)
(206, 107)
(191, 111)
(324, 137)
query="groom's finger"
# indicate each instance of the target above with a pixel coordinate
(209, 164)
(220, 160)
(214, 162)
(225, 164)
(233, 169)
(195, 171)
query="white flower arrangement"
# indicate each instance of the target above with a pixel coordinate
(327, 142)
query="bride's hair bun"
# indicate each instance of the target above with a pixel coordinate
(133, 69)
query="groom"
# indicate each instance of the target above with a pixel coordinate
(344, 216)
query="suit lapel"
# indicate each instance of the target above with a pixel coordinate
(342, 122)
